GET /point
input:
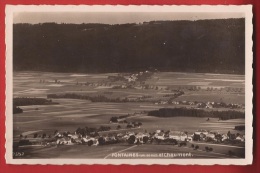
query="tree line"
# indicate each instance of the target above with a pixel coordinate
(97, 98)
(184, 112)
(25, 101)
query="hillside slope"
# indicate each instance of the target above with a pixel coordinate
(214, 46)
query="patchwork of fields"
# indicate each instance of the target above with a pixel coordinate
(70, 114)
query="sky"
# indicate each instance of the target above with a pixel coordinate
(114, 17)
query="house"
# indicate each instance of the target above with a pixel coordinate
(209, 106)
(95, 142)
(224, 137)
(159, 136)
(178, 135)
(140, 137)
(201, 131)
(240, 138)
(201, 105)
(73, 136)
(87, 138)
(119, 135)
(175, 102)
(64, 141)
(210, 135)
(191, 103)
(59, 135)
(157, 131)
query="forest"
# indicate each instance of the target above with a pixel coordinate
(25, 101)
(212, 46)
(185, 112)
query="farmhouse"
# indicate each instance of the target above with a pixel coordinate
(201, 131)
(224, 137)
(240, 138)
(140, 136)
(73, 136)
(159, 135)
(64, 141)
(210, 135)
(87, 138)
(178, 135)
(175, 102)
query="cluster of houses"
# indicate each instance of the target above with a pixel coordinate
(131, 137)
(207, 105)
(204, 135)
(135, 76)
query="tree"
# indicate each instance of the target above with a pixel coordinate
(17, 110)
(35, 135)
(55, 132)
(131, 139)
(94, 134)
(114, 119)
(43, 135)
(174, 142)
(196, 137)
(218, 137)
(90, 142)
(101, 141)
(145, 139)
(139, 124)
(24, 142)
(118, 127)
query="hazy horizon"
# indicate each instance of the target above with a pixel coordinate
(114, 17)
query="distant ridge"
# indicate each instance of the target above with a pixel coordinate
(204, 46)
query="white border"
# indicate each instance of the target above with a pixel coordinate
(246, 9)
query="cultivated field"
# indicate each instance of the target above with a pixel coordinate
(70, 114)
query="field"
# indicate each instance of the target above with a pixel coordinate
(70, 114)
(154, 151)
(27, 84)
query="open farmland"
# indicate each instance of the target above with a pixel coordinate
(148, 151)
(70, 114)
(28, 84)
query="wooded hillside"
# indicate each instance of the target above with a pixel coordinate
(215, 46)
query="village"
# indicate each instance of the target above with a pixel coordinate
(140, 111)
(152, 93)
(131, 134)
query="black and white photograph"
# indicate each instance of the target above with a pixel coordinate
(129, 84)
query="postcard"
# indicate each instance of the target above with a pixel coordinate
(111, 84)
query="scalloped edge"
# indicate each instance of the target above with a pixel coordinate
(247, 9)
